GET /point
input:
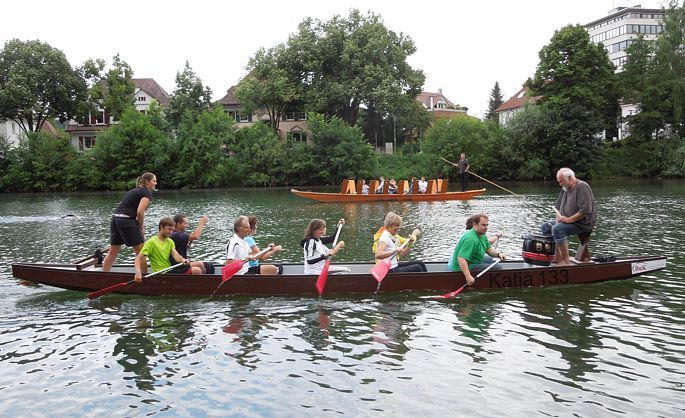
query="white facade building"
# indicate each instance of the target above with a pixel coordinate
(11, 131)
(616, 31)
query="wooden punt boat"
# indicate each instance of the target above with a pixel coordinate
(359, 198)
(88, 276)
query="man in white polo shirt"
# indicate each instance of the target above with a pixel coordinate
(236, 247)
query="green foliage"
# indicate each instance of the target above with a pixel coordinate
(39, 164)
(404, 167)
(640, 157)
(110, 90)
(654, 77)
(37, 83)
(188, 96)
(262, 155)
(129, 148)
(271, 86)
(448, 138)
(345, 63)
(340, 151)
(575, 71)
(201, 150)
(495, 101)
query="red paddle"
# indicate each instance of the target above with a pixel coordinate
(323, 276)
(230, 270)
(383, 266)
(456, 292)
(106, 290)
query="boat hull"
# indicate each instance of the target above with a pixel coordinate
(360, 198)
(513, 274)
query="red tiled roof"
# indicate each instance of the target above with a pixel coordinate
(520, 99)
(151, 87)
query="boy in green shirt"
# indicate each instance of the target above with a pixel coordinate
(158, 249)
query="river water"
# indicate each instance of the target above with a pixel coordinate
(606, 349)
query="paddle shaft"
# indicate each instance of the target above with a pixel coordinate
(482, 178)
(456, 292)
(112, 288)
(323, 276)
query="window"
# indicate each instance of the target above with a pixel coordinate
(86, 142)
(142, 98)
(99, 117)
(297, 136)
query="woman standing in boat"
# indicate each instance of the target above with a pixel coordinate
(389, 244)
(315, 250)
(127, 225)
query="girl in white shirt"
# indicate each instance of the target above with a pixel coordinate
(315, 252)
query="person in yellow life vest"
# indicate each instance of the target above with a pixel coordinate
(377, 236)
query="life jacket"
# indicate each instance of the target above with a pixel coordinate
(377, 236)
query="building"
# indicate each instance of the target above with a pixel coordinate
(616, 31)
(12, 132)
(83, 135)
(440, 106)
(515, 104)
(620, 26)
(292, 126)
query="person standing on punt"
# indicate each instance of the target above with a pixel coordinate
(128, 221)
(314, 245)
(389, 242)
(464, 166)
(472, 247)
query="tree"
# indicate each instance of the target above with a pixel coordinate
(572, 69)
(496, 101)
(448, 138)
(112, 90)
(37, 83)
(201, 153)
(129, 148)
(188, 96)
(654, 77)
(346, 63)
(340, 151)
(269, 87)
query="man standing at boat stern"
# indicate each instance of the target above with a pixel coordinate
(575, 213)
(464, 166)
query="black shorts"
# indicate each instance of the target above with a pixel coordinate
(253, 270)
(182, 269)
(125, 231)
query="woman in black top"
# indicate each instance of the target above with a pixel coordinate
(127, 224)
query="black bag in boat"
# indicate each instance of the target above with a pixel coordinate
(538, 249)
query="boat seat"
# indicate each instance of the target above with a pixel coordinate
(583, 253)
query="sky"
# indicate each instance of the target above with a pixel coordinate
(463, 47)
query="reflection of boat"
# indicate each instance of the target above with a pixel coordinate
(417, 197)
(88, 276)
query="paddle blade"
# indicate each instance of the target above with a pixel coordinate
(323, 276)
(380, 270)
(106, 290)
(230, 270)
(452, 294)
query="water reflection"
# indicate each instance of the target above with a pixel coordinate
(579, 350)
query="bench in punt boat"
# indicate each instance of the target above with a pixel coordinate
(414, 197)
(512, 274)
